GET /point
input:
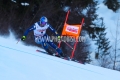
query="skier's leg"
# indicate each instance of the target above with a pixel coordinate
(37, 40)
(44, 45)
(56, 48)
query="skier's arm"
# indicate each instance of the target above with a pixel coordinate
(53, 30)
(29, 29)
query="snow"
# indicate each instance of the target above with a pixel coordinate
(21, 62)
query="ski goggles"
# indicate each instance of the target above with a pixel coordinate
(43, 23)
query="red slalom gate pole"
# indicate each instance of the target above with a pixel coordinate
(64, 23)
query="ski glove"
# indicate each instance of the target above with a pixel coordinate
(23, 38)
(58, 37)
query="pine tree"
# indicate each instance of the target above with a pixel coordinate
(112, 4)
(102, 42)
(103, 46)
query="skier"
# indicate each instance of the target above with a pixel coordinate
(39, 28)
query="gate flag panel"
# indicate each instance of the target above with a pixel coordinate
(71, 31)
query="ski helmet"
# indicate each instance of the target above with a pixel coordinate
(43, 21)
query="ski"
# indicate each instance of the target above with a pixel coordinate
(45, 52)
(41, 51)
(56, 55)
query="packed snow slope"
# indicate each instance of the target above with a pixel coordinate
(20, 62)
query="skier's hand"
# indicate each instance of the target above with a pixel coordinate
(23, 38)
(59, 39)
(58, 36)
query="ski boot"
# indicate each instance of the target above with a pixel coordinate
(49, 52)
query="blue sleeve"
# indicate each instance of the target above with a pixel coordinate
(29, 29)
(53, 30)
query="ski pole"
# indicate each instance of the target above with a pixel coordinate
(18, 41)
(68, 44)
